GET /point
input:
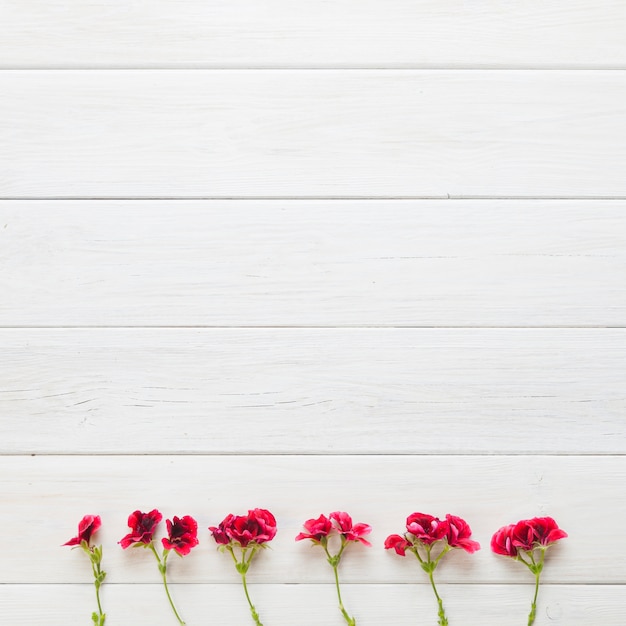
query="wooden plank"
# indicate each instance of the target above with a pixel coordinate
(54, 492)
(313, 263)
(298, 33)
(311, 605)
(301, 391)
(312, 134)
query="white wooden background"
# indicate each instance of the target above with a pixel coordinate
(312, 255)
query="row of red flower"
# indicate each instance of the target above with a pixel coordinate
(259, 526)
(427, 537)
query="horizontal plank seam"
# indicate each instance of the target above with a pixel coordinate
(325, 584)
(401, 67)
(307, 327)
(239, 453)
(305, 198)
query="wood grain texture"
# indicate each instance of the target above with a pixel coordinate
(311, 605)
(310, 134)
(294, 391)
(323, 33)
(313, 263)
(488, 491)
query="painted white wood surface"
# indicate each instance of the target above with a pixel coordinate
(212, 385)
(313, 33)
(313, 263)
(488, 491)
(423, 391)
(313, 133)
(312, 605)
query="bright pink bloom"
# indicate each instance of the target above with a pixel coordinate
(316, 529)
(459, 533)
(143, 526)
(502, 541)
(398, 543)
(182, 535)
(258, 527)
(86, 527)
(538, 531)
(426, 528)
(343, 524)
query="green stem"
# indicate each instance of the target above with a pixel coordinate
(349, 620)
(334, 562)
(97, 582)
(533, 606)
(255, 615)
(163, 569)
(443, 620)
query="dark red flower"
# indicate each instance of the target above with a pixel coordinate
(502, 541)
(343, 524)
(143, 526)
(316, 529)
(426, 528)
(398, 543)
(459, 533)
(182, 535)
(258, 527)
(86, 527)
(219, 532)
(538, 531)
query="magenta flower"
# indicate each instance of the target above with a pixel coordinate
(337, 523)
(243, 536)
(316, 529)
(429, 539)
(182, 536)
(527, 541)
(143, 526)
(86, 528)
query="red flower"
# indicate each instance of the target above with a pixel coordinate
(502, 541)
(538, 531)
(343, 524)
(316, 529)
(526, 535)
(219, 532)
(182, 535)
(143, 526)
(459, 533)
(258, 527)
(86, 527)
(426, 528)
(398, 543)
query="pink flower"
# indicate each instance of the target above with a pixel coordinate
(526, 535)
(458, 535)
(426, 528)
(86, 527)
(258, 527)
(343, 524)
(398, 543)
(316, 529)
(538, 531)
(143, 526)
(502, 541)
(182, 535)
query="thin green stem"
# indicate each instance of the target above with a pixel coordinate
(96, 574)
(255, 615)
(443, 620)
(536, 568)
(163, 570)
(334, 562)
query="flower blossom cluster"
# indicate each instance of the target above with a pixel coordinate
(425, 530)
